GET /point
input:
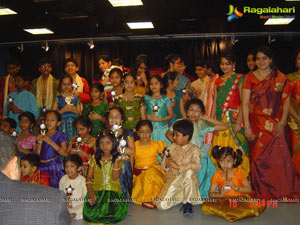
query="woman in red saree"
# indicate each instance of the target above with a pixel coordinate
(294, 116)
(266, 101)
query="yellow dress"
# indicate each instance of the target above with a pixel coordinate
(225, 138)
(148, 184)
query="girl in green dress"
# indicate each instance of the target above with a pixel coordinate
(132, 104)
(105, 202)
(97, 109)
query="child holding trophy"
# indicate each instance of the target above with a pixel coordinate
(68, 106)
(83, 144)
(125, 146)
(51, 146)
(73, 184)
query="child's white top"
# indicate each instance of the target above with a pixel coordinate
(78, 193)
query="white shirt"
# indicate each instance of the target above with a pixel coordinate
(78, 193)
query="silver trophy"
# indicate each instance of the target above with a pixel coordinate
(10, 99)
(113, 95)
(43, 129)
(75, 86)
(122, 145)
(14, 134)
(78, 141)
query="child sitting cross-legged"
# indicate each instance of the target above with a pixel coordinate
(181, 162)
(30, 172)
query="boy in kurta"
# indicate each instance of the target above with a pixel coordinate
(181, 162)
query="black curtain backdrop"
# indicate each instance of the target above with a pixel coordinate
(191, 50)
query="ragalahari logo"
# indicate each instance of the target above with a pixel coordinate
(233, 13)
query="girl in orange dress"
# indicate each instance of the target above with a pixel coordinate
(232, 201)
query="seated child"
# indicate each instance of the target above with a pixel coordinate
(230, 180)
(182, 161)
(105, 201)
(73, 184)
(30, 172)
(232, 183)
(8, 125)
(148, 176)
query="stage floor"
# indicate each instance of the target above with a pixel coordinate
(284, 214)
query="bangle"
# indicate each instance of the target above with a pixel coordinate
(247, 126)
(58, 149)
(282, 123)
(89, 182)
(116, 168)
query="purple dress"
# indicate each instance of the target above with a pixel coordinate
(50, 161)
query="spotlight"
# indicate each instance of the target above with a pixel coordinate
(46, 46)
(233, 40)
(21, 47)
(91, 44)
(270, 39)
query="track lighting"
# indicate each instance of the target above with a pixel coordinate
(91, 44)
(46, 46)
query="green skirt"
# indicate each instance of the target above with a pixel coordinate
(110, 207)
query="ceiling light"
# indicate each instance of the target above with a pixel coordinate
(279, 21)
(21, 47)
(120, 3)
(140, 25)
(46, 46)
(91, 44)
(36, 31)
(6, 11)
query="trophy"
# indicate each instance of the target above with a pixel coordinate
(69, 192)
(113, 95)
(14, 134)
(122, 146)
(166, 152)
(10, 99)
(68, 99)
(78, 141)
(155, 108)
(226, 187)
(115, 129)
(43, 129)
(75, 86)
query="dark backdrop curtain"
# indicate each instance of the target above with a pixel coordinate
(191, 50)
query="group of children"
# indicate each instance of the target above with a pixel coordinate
(124, 146)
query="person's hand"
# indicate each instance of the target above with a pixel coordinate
(16, 110)
(76, 93)
(67, 108)
(153, 118)
(39, 139)
(10, 106)
(192, 90)
(144, 78)
(92, 198)
(249, 134)
(278, 129)
(203, 117)
(94, 116)
(186, 97)
(198, 92)
(123, 157)
(237, 128)
(230, 184)
(73, 215)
